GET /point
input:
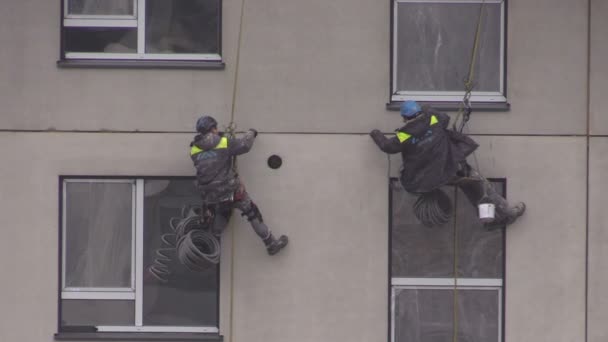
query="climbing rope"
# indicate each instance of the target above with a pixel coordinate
(231, 129)
(465, 109)
(465, 106)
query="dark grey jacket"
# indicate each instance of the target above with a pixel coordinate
(212, 157)
(430, 151)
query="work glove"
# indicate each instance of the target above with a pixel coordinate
(255, 132)
(375, 132)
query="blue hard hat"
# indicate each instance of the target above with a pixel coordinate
(205, 124)
(410, 108)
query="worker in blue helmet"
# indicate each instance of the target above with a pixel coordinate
(434, 156)
(410, 109)
(425, 147)
(221, 188)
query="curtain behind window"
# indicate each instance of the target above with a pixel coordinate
(101, 7)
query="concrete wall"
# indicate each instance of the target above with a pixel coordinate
(598, 71)
(314, 78)
(598, 305)
(307, 66)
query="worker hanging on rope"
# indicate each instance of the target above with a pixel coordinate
(434, 156)
(218, 183)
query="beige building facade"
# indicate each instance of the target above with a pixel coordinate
(314, 77)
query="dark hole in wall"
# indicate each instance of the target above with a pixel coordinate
(275, 162)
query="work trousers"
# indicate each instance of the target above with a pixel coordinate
(241, 201)
(478, 190)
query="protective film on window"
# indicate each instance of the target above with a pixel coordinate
(433, 48)
(446, 281)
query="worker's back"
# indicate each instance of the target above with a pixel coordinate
(428, 161)
(212, 159)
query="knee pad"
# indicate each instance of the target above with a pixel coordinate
(253, 213)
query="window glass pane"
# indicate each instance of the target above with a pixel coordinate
(434, 44)
(480, 252)
(98, 234)
(101, 7)
(97, 312)
(100, 39)
(184, 26)
(424, 315)
(418, 251)
(187, 298)
(478, 315)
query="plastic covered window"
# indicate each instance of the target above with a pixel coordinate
(432, 47)
(446, 281)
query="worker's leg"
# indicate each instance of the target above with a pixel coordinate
(218, 215)
(477, 188)
(216, 208)
(248, 209)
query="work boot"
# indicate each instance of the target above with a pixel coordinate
(516, 211)
(273, 245)
(511, 216)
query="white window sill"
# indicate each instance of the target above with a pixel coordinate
(453, 106)
(129, 336)
(140, 64)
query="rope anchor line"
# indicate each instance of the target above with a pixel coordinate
(465, 109)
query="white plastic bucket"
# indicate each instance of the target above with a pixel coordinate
(486, 212)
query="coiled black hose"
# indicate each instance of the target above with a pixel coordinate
(433, 208)
(190, 240)
(198, 250)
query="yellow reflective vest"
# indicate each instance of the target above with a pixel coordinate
(222, 144)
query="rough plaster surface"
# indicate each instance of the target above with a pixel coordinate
(332, 278)
(545, 273)
(598, 68)
(309, 67)
(331, 197)
(312, 66)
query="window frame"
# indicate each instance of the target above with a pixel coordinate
(447, 96)
(431, 284)
(137, 21)
(138, 270)
(443, 283)
(113, 293)
(92, 18)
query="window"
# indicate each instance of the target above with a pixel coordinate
(143, 30)
(446, 282)
(432, 45)
(112, 231)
